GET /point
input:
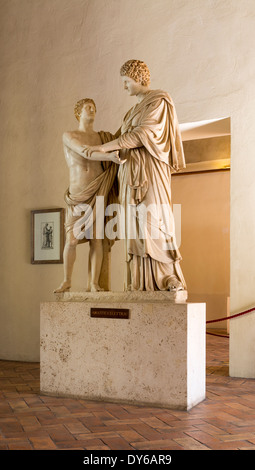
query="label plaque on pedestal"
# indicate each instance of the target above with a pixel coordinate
(122, 313)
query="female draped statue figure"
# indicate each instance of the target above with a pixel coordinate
(150, 141)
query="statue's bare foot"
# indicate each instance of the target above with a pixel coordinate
(96, 288)
(65, 286)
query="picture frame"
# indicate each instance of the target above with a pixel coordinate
(47, 236)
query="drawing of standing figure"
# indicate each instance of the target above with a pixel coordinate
(47, 236)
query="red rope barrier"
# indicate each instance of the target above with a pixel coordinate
(232, 316)
(215, 334)
(228, 318)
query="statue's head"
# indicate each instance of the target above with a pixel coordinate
(137, 70)
(80, 105)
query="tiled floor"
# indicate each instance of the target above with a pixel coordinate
(225, 420)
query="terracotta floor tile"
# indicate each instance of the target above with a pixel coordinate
(247, 448)
(234, 445)
(3, 446)
(131, 436)
(94, 447)
(146, 431)
(236, 437)
(37, 433)
(188, 443)
(225, 420)
(91, 443)
(71, 444)
(157, 445)
(77, 428)
(129, 422)
(118, 426)
(117, 443)
(104, 415)
(42, 443)
(174, 433)
(155, 423)
(10, 425)
(23, 445)
(212, 442)
(209, 429)
(59, 433)
(97, 435)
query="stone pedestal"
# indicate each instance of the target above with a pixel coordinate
(155, 357)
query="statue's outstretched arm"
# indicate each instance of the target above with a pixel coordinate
(104, 148)
(84, 152)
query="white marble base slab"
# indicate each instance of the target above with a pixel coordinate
(127, 296)
(155, 357)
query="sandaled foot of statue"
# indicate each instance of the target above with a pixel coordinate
(96, 288)
(64, 287)
(128, 288)
(175, 285)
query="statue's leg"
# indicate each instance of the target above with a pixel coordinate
(89, 273)
(105, 274)
(69, 257)
(96, 259)
(128, 275)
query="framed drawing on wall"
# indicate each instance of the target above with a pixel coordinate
(47, 236)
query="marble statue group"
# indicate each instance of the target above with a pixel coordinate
(131, 168)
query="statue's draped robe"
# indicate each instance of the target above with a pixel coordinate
(83, 222)
(150, 140)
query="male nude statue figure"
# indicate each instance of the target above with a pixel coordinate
(88, 178)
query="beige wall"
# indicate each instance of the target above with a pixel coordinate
(54, 52)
